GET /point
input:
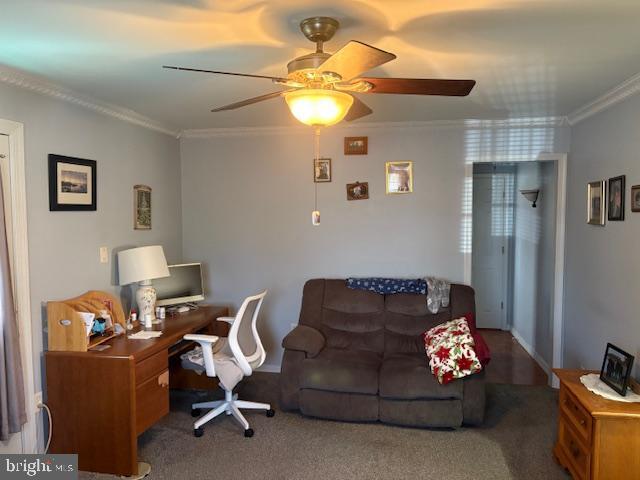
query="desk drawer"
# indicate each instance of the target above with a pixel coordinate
(151, 366)
(578, 456)
(152, 401)
(577, 415)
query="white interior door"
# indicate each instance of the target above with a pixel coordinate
(491, 231)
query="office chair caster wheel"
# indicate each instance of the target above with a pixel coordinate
(195, 412)
(271, 412)
(198, 432)
(248, 432)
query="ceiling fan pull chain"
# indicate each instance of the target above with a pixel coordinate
(315, 215)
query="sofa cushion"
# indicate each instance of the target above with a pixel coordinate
(336, 370)
(407, 376)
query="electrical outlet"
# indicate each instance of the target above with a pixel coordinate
(104, 255)
(38, 399)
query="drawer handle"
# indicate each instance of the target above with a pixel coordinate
(582, 422)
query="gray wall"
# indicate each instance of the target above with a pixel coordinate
(602, 264)
(534, 259)
(247, 203)
(63, 246)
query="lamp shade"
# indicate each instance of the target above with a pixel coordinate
(318, 107)
(142, 263)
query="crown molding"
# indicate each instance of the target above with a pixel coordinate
(612, 97)
(346, 127)
(20, 79)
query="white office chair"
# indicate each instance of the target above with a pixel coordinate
(231, 359)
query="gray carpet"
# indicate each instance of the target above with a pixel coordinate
(514, 443)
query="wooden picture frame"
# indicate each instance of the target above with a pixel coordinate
(72, 184)
(635, 198)
(615, 199)
(356, 145)
(616, 368)
(596, 204)
(321, 170)
(399, 177)
(358, 191)
(141, 207)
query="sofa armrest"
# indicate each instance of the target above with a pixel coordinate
(304, 339)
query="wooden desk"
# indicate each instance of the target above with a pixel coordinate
(597, 438)
(101, 401)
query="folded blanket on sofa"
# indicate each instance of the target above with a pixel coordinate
(387, 286)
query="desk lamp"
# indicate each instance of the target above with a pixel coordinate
(142, 265)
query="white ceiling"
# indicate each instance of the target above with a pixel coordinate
(530, 58)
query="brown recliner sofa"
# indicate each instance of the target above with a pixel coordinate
(359, 356)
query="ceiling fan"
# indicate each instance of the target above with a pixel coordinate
(320, 85)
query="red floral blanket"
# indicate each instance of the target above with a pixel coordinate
(451, 350)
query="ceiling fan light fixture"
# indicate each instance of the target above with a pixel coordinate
(318, 107)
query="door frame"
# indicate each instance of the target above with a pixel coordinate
(15, 132)
(558, 288)
(505, 321)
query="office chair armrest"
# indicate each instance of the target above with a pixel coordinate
(229, 320)
(204, 340)
(304, 339)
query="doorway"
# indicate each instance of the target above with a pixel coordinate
(514, 264)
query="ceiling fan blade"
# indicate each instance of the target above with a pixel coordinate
(358, 110)
(249, 101)
(354, 59)
(275, 79)
(421, 86)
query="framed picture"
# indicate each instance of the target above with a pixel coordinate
(358, 191)
(141, 207)
(322, 170)
(615, 195)
(72, 183)
(595, 202)
(635, 198)
(399, 177)
(356, 145)
(616, 368)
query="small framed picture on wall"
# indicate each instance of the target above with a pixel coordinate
(615, 196)
(399, 177)
(356, 145)
(141, 207)
(322, 170)
(72, 183)
(635, 198)
(595, 202)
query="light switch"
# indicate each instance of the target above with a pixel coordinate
(104, 255)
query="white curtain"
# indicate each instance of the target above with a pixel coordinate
(12, 408)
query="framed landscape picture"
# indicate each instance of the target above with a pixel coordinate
(142, 207)
(356, 145)
(322, 170)
(72, 183)
(595, 202)
(615, 196)
(399, 177)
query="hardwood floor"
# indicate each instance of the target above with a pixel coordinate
(510, 363)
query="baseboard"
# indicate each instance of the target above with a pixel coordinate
(269, 368)
(531, 351)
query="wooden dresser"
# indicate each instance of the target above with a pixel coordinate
(598, 439)
(101, 401)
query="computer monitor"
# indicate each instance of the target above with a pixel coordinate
(183, 285)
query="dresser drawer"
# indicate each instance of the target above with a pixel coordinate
(151, 366)
(577, 415)
(152, 401)
(574, 450)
